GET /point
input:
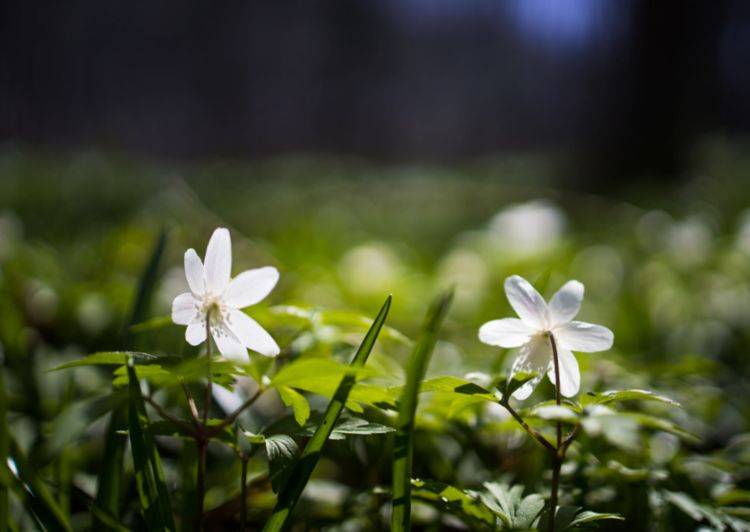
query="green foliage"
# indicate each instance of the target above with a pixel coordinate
(403, 446)
(149, 476)
(303, 468)
(468, 506)
(515, 511)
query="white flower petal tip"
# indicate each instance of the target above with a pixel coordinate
(508, 332)
(584, 337)
(251, 287)
(566, 303)
(218, 263)
(526, 301)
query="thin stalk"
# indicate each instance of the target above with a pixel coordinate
(169, 417)
(556, 456)
(200, 482)
(230, 419)
(243, 493)
(525, 426)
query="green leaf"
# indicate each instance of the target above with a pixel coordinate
(282, 452)
(463, 504)
(403, 445)
(315, 372)
(658, 423)
(297, 401)
(570, 517)
(553, 412)
(304, 467)
(585, 517)
(612, 396)
(149, 476)
(456, 385)
(73, 421)
(107, 358)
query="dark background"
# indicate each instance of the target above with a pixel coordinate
(627, 85)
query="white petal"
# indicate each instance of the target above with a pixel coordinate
(229, 345)
(566, 303)
(218, 261)
(526, 301)
(535, 356)
(508, 332)
(251, 286)
(228, 401)
(194, 272)
(570, 376)
(185, 308)
(195, 334)
(585, 337)
(251, 334)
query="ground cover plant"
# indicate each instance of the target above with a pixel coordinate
(313, 372)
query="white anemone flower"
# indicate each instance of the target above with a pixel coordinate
(541, 323)
(214, 293)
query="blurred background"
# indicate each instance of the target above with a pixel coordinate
(383, 146)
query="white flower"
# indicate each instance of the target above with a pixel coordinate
(539, 322)
(213, 292)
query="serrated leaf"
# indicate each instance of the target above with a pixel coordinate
(297, 402)
(107, 358)
(612, 396)
(508, 503)
(282, 452)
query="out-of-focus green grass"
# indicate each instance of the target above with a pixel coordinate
(666, 267)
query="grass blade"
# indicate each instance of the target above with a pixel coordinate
(109, 483)
(149, 475)
(300, 474)
(34, 493)
(4, 450)
(403, 446)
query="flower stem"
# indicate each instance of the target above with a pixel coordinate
(243, 493)
(231, 417)
(525, 426)
(200, 482)
(556, 456)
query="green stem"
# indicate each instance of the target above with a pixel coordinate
(525, 426)
(200, 482)
(243, 494)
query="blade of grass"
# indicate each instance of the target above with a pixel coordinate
(290, 493)
(149, 475)
(110, 480)
(4, 449)
(34, 493)
(403, 445)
